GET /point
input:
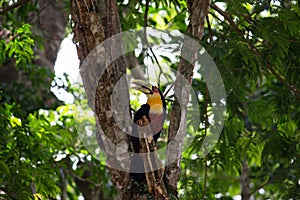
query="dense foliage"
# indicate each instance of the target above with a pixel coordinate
(256, 46)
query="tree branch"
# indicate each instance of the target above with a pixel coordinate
(269, 65)
(206, 124)
(245, 181)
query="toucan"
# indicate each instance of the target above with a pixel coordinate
(153, 113)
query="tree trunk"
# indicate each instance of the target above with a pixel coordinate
(198, 11)
(245, 181)
(94, 21)
(50, 24)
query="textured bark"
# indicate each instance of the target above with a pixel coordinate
(198, 11)
(94, 21)
(154, 179)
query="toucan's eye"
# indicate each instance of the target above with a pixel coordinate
(154, 89)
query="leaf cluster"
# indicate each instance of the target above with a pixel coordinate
(28, 145)
(39, 149)
(18, 46)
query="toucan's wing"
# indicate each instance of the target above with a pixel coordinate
(144, 110)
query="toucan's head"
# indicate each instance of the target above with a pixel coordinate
(154, 95)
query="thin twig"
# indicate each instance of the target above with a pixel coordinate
(69, 170)
(146, 15)
(30, 18)
(173, 84)
(174, 18)
(13, 6)
(41, 24)
(209, 30)
(147, 42)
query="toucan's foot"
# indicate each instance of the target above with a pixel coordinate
(140, 122)
(144, 121)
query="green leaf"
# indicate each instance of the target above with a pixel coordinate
(4, 168)
(38, 196)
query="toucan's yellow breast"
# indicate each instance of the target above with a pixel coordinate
(156, 109)
(155, 103)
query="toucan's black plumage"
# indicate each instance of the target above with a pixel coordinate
(153, 113)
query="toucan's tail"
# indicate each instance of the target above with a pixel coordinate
(136, 168)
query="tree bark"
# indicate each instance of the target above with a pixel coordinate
(198, 10)
(94, 21)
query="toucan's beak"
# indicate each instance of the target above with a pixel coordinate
(142, 86)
